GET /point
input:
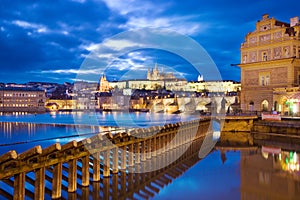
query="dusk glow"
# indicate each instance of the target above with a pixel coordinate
(46, 41)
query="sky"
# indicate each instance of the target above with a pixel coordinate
(52, 41)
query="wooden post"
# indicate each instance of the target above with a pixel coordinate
(130, 155)
(56, 181)
(96, 167)
(72, 176)
(39, 184)
(143, 150)
(115, 169)
(158, 146)
(19, 186)
(163, 143)
(154, 146)
(106, 162)
(123, 157)
(148, 148)
(85, 171)
(137, 152)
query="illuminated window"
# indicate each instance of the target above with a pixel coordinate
(267, 80)
(264, 78)
(264, 56)
(262, 81)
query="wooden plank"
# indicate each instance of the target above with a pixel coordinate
(51, 149)
(11, 155)
(69, 145)
(30, 153)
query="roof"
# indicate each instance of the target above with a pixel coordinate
(279, 23)
(27, 89)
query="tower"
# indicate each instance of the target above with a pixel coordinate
(149, 74)
(104, 85)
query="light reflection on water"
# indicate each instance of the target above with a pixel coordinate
(21, 132)
(271, 173)
(100, 118)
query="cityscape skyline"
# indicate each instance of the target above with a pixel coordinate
(39, 45)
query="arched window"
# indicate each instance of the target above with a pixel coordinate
(264, 105)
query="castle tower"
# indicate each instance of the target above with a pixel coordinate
(155, 74)
(149, 74)
(104, 85)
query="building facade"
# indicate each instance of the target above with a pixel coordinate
(155, 74)
(270, 59)
(22, 99)
(103, 84)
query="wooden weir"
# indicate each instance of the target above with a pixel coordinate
(113, 160)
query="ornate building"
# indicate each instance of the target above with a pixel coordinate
(104, 84)
(270, 59)
(155, 74)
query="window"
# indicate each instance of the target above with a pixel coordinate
(264, 56)
(267, 80)
(262, 83)
(264, 78)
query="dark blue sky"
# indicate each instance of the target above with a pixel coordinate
(47, 41)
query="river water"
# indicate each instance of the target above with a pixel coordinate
(258, 172)
(21, 132)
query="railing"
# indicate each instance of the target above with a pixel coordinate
(93, 159)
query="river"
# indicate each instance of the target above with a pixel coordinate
(258, 172)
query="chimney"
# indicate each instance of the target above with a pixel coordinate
(265, 16)
(294, 21)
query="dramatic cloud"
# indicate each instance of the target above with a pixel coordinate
(48, 41)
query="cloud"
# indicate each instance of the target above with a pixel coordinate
(187, 25)
(69, 71)
(27, 25)
(134, 6)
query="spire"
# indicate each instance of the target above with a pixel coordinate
(149, 74)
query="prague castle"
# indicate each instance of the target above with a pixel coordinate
(270, 66)
(155, 74)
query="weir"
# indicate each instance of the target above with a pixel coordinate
(130, 159)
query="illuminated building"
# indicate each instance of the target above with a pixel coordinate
(270, 59)
(155, 74)
(61, 104)
(213, 86)
(22, 99)
(104, 85)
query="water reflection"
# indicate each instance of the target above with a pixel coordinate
(21, 136)
(270, 173)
